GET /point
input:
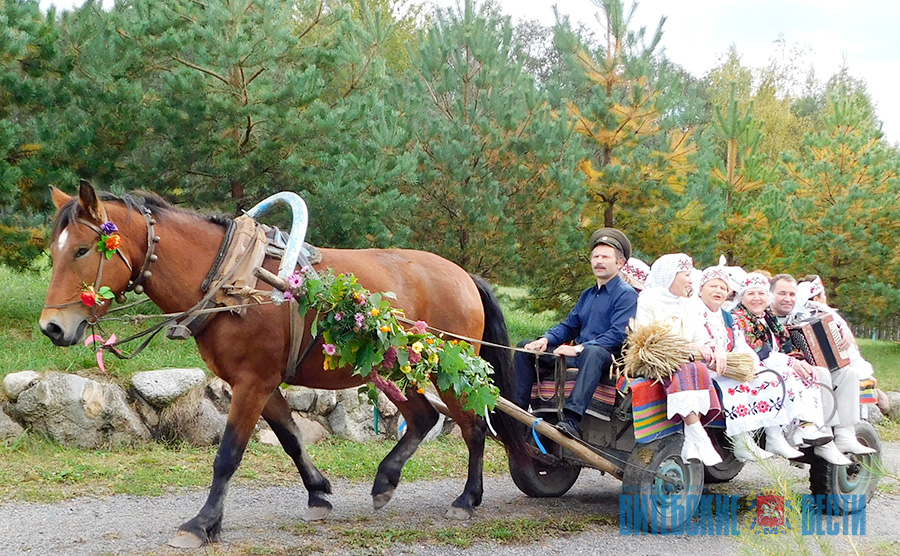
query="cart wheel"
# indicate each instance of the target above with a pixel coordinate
(656, 469)
(730, 466)
(543, 480)
(848, 480)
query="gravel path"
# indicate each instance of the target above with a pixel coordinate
(266, 521)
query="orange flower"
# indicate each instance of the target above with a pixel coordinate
(420, 390)
(113, 242)
(454, 342)
(385, 328)
(375, 312)
(429, 341)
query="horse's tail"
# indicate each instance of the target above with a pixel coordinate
(500, 359)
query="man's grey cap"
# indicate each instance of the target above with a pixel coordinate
(613, 238)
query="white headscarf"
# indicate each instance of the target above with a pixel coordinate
(664, 269)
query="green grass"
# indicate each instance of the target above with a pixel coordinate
(25, 348)
(885, 357)
(37, 470)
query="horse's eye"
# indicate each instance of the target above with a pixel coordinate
(82, 251)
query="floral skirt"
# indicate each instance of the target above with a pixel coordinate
(763, 402)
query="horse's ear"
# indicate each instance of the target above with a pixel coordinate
(89, 201)
(59, 198)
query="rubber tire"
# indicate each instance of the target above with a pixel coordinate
(540, 480)
(825, 478)
(730, 466)
(662, 456)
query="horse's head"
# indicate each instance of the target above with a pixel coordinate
(86, 262)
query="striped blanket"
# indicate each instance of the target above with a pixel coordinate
(543, 397)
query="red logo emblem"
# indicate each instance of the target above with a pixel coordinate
(770, 510)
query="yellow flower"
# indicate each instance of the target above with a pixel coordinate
(375, 312)
(385, 328)
(433, 359)
(418, 347)
(327, 363)
(406, 369)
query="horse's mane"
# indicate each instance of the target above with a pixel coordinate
(132, 201)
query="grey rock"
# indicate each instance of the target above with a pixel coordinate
(219, 392)
(326, 400)
(893, 410)
(160, 388)
(311, 431)
(9, 429)
(386, 406)
(873, 414)
(16, 383)
(77, 411)
(193, 418)
(882, 401)
(300, 398)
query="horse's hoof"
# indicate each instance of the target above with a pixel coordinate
(379, 500)
(186, 539)
(316, 513)
(459, 514)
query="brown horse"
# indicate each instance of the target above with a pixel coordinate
(250, 352)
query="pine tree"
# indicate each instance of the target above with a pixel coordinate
(841, 220)
(497, 182)
(28, 68)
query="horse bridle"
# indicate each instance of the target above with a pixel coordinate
(135, 283)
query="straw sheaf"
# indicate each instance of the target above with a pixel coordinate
(654, 351)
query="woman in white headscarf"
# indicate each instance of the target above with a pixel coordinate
(748, 406)
(665, 300)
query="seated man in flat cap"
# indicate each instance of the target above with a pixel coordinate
(597, 324)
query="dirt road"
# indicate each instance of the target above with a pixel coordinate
(266, 521)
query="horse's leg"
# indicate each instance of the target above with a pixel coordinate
(420, 418)
(278, 414)
(474, 430)
(247, 403)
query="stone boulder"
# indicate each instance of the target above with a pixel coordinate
(193, 418)
(161, 388)
(352, 417)
(873, 414)
(77, 411)
(882, 401)
(893, 406)
(311, 431)
(9, 429)
(16, 383)
(300, 398)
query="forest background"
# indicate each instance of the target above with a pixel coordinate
(498, 146)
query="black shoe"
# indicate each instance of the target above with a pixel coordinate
(569, 427)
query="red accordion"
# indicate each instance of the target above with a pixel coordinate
(818, 339)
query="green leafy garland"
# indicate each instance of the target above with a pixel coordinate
(360, 329)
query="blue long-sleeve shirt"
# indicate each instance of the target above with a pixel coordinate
(599, 318)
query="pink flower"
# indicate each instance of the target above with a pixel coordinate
(389, 388)
(414, 357)
(329, 349)
(304, 269)
(762, 407)
(420, 327)
(390, 358)
(360, 319)
(338, 316)
(295, 280)
(361, 299)
(289, 295)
